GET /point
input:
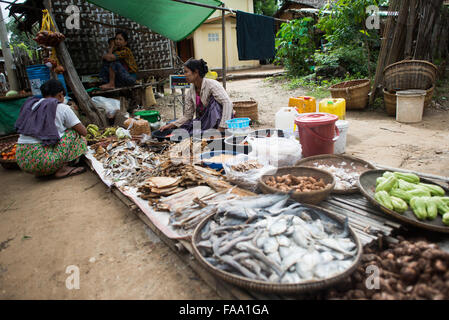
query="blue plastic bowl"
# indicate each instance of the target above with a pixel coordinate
(215, 165)
(238, 123)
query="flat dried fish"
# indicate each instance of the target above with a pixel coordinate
(162, 182)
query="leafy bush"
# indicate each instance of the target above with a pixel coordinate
(295, 46)
(351, 59)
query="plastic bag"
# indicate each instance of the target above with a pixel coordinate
(275, 151)
(247, 180)
(110, 106)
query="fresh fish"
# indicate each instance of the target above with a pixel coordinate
(263, 201)
(283, 241)
(278, 227)
(258, 254)
(228, 246)
(275, 257)
(244, 271)
(292, 259)
(301, 237)
(334, 245)
(270, 245)
(305, 268)
(255, 267)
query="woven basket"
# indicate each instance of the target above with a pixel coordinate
(6, 143)
(390, 100)
(410, 74)
(246, 109)
(279, 288)
(355, 93)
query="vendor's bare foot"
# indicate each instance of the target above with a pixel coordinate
(107, 86)
(67, 171)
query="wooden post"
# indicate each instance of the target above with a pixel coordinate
(85, 103)
(383, 52)
(410, 30)
(223, 44)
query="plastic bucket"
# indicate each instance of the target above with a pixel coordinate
(318, 133)
(340, 144)
(39, 74)
(149, 115)
(410, 105)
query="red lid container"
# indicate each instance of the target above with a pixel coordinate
(317, 133)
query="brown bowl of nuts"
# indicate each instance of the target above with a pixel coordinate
(309, 185)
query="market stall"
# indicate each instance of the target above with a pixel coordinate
(248, 242)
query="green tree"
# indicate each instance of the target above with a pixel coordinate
(17, 37)
(266, 7)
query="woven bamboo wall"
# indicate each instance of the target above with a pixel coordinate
(90, 42)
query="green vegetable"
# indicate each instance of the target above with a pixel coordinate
(387, 174)
(431, 207)
(384, 199)
(433, 189)
(399, 205)
(409, 177)
(11, 93)
(441, 205)
(418, 205)
(399, 193)
(387, 185)
(446, 218)
(380, 180)
(419, 192)
(405, 185)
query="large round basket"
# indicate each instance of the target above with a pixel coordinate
(279, 288)
(355, 92)
(6, 143)
(246, 109)
(390, 100)
(410, 74)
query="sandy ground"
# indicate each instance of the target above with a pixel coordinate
(47, 226)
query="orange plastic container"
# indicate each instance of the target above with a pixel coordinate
(303, 104)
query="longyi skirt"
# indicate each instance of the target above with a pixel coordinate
(46, 160)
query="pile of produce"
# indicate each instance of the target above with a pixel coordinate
(247, 166)
(95, 135)
(261, 238)
(10, 154)
(345, 178)
(298, 184)
(220, 158)
(396, 190)
(407, 271)
(49, 38)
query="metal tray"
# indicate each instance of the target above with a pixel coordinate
(334, 159)
(367, 185)
(269, 287)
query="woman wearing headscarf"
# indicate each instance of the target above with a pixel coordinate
(206, 98)
(51, 135)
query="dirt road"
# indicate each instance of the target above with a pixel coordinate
(47, 226)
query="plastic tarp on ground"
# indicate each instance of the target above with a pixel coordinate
(174, 20)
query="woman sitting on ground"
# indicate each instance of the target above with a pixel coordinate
(51, 135)
(119, 66)
(206, 97)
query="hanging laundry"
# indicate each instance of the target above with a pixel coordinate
(255, 36)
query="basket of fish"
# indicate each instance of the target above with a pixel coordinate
(271, 244)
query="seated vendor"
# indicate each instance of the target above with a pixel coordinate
(119, 66)
(206, 97)
(51, 135)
